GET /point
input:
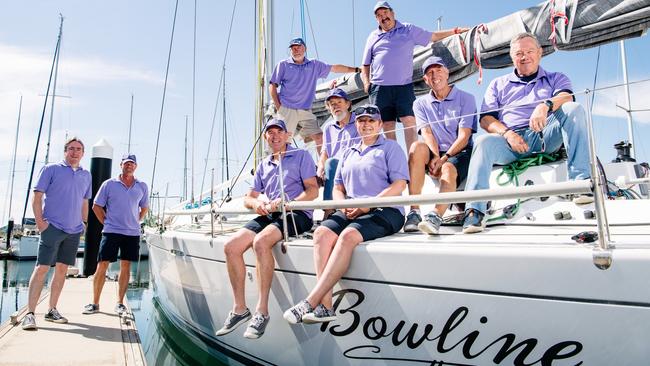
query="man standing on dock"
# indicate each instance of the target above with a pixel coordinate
(387, 71)
(120, 205)
(60, 207)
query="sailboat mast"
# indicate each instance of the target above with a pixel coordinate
(40, 127)
(628, 109)
(225, 170)
(12, 172)
(128, 147)
(56, 74)
(185, 161)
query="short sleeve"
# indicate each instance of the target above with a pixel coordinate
(420, 115)
(307, 166)
(44, 178)
(89, 187)
(396, 163)
(278, 74)
(561, 83)
(102, 195)
(144, 201)
(468, 117)
(491, 98)
(367, 51)
(322, 69)
(419, 36)
(258, 185)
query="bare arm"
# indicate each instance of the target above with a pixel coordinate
(37, 207)
(436, 36)
(100, 213)
(342, 68)
(311, 190)
(462, 139)
(84, 211)
(365, 77)
(143, 213)
(273, 91)
(251, 201)
(431, 142)
(394, 189)
(320, 166)
(541, 112)
(493, 125)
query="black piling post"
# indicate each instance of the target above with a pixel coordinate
(100, 169)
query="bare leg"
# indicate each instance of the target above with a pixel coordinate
(234, 250)
(318, 139)
(447, 184)
(263, 246)
(337, 265)
(60, 270)
(36, 285)
(418, 159)
(123, 279)
(389, 130)
(410, 133)
(324, 241)
(98, 280)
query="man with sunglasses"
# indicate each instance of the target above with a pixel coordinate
(526, 111)
(387, 70)
(293, 89)
(446, 119)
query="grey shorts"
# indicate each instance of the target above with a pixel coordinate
(57, 246)
(299, 121)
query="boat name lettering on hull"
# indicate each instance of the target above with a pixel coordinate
(415, 335)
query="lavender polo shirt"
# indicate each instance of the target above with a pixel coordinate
(298, 81)
(446, 116)
(297, 165)
(522, 97)
(122, 205)
(65, 189)
(366, 173)
(390, 54)
(337, 139)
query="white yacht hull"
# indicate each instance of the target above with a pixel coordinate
(501, 297)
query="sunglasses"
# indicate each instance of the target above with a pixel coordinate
(366, 110)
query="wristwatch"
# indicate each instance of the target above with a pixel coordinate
(549, 104)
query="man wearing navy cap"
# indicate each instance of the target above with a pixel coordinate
(267, 229)
(292, 87)
(388, 68)
(120, 205)
(446, 119)
(338, 134)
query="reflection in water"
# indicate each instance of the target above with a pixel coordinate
(162, 342)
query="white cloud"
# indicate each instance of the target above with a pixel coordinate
(607, 100)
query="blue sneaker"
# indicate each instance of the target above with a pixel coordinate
(412, 221)
(473, 221)
(431, 224)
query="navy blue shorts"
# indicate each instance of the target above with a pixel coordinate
(393, 101)
(377, 223)
(128, 246)
(303, 222)
(460, 161)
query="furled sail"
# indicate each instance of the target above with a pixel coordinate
(559, 24)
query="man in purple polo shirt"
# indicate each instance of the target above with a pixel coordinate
(262, 233)
(60, 218)
(296, 79)
(374, 167)
(338, 134)
(446, 118)
(120, 205)
(387, 70)
(529, 110)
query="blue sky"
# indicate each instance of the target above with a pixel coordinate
(113, 49)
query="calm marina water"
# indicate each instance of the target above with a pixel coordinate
(162, 343)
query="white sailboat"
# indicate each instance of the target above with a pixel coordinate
(536, 288)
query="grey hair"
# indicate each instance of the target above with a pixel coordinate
(71, 140)
(523, 35)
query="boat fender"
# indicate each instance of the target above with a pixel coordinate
(585, 237)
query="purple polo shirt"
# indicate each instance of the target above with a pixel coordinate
(337, 139)
(522, 97)
(65, 189)
(297, 165)
(366, 173)
(122, 205)
(298, 81)
(446, 116)
(390, 54)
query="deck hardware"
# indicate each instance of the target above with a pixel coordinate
(589, 214)
(249, 274)
(283, 246)
(566, 215)
(557, 215)
(530, 216)
(585, 237)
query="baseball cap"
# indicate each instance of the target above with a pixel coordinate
(382, 4)
(129, 157)
(297, 42)
(337, 92)
(369, 110)
(433, 60)
(275, 123)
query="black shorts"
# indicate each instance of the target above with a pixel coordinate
(128, 245)
(460, 161)
(303, 222)
(377, 223)
(393, 101)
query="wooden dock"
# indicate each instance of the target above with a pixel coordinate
(103, 338)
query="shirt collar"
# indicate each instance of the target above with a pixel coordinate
(350, 122)
(514, 78)
(451, 96)
(305, 61)
(289, 152)
(380, 141)
(65, 163)
(397, 25)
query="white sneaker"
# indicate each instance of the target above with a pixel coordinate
(29, 322)
(295, 313)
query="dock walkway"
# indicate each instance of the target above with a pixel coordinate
(103, 338)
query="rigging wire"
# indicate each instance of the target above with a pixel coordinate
(216, 105)
(311, 28)
(162, 104)
(193, 95)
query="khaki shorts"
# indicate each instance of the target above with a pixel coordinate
(301, 121)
